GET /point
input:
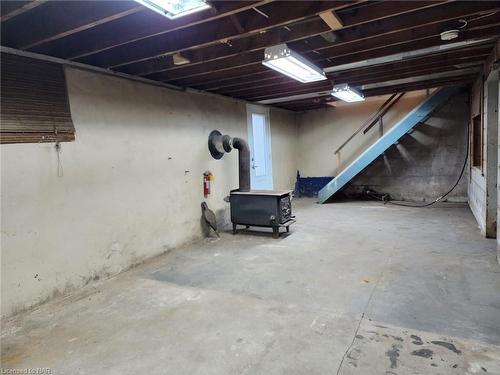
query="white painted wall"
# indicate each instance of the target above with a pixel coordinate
(132, 184)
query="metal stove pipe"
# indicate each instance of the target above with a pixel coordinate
(243, 162)
(219, 144)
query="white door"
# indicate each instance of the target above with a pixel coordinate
(259, 139)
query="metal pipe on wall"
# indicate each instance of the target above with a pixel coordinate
(219, 144)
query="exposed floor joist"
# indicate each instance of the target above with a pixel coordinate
(222, 47)
(137, 27)
(338, 54)
(10, 9)
(209, 33)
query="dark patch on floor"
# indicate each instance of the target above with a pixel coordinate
(424, 353)
(417, 340)
(448, 346)
(393, 355)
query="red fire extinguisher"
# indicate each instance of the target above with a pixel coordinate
(207, 177)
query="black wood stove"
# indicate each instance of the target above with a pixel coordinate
(257, 208)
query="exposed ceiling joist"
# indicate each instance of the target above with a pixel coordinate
(224, 74)
(398, 78)
(207, 33)
(300, 30)
(322, 101)
(428, 67)
(378, 45)
(11, 9)
(54, 20)
(295, 97)
(376, 30)
(134, 28)
(421, 78)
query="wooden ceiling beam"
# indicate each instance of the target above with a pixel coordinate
(289, 88)
(449, 12)
(421, 85)
(136, 27)
(370, 42)
(285, 88)
(292, 90)
(11, 9)
(370, 12)
(404, 45)
(421, 63)
(358, 82)
(212, 53)
(322, 101)
(285, 91)
(245, 76)
(57, 19)
(445, 59)
(211, 32)
(416, 34)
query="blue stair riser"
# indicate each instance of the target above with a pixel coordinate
(419, 114)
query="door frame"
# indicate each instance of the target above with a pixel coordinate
(262, 110)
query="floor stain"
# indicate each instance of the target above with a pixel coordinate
(448, 346)
(393, 355)
(424, 353)
(417, 340)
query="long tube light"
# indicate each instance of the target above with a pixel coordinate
(288, 62)
(347, 94)
(175, 8)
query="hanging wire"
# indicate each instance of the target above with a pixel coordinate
(60, 170)
(464, 23)
(441, 197)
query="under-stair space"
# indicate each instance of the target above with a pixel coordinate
(418, 115)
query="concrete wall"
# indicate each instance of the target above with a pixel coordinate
(422, 166)
(131, 187)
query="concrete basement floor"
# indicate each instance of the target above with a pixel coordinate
(356, 288)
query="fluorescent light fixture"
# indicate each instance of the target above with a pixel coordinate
(288, 62)
(175, 8)
(347, 94)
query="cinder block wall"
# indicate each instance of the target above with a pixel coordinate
(131, 188)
